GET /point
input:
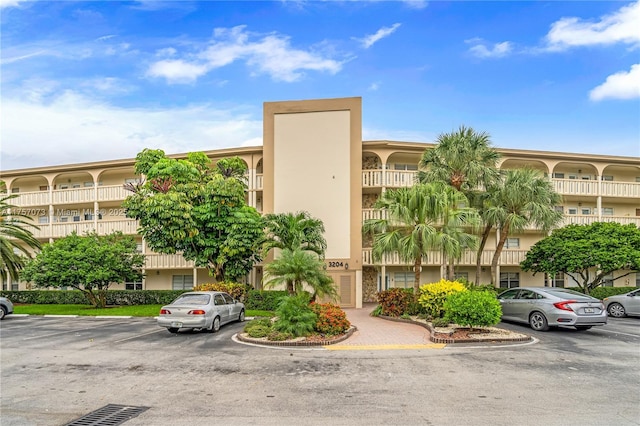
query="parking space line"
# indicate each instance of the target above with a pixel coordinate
(68, 331)
(619, 332)
(137, 335)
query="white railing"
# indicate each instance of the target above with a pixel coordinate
(589, 219)
(507, 257)
(575, 186)
(26, 199)
(373, 214)
(371, 178)
(621, 189)
(64, 229)
(112, 193)
(259, 182)
(71, 196)
(126, 226)
(166, 261)
(400, 178)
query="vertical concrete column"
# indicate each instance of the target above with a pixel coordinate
(359, 289)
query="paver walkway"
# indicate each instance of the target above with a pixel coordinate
(377, 333)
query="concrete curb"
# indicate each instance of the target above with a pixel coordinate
(260, 342)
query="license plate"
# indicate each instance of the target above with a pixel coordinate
(589, 310)
(176, 324)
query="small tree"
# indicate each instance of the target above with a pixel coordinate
(88, 263)
(198, 210)
(587, 253)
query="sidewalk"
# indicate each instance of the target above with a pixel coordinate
(372, 331)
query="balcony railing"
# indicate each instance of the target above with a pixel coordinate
(166, 261)
(112, 193)
(508, 257)
(403, 178)
(57, 230)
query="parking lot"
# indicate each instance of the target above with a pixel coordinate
(55, 370)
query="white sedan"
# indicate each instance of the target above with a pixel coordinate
(623, 304)
(206, 310)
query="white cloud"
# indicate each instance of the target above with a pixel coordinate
(370, 40)
(10, 3)
(269, 54)
(498, 50)
(621, 26)
(177, 71)
(621, 85)
(373, 86)
(416, 4)
(73, 128)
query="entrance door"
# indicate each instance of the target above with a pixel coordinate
(384, 286)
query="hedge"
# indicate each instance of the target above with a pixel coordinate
(114, 297)
(264, 300)
(602, 292)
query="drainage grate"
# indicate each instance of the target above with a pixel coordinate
(109, 415)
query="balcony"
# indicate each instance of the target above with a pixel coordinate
(508, 257)
(58, 230)
(166, 261)
(70, 196)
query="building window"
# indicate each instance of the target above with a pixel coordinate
(44, 188)
(88, 184)
(509, 279)
(88, 216)
(138, 247)
(607, 280)
(464, 276)
(405, 167)
(182, 282)
(559, 209)
(585, 210)
(43, 219)
(607, 211)
(15, 190)
(512, 243)
(76, 218)
(64, 218)
(558, 280)
(637, 279)
(133, 286)
(558, 175)
(404, 279)
(572, 210)
(607, 177)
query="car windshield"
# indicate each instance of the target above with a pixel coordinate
(569, 294)
(192, 299)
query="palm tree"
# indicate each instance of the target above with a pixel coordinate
(14, 239)
(295, 230)
(464, 159)
(420, 219)
(524, 197)
(297, 267)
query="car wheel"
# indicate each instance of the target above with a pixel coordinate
(583, 327)
(172, 329)
(538, 321)
(3, 312)
(616, 310)
(241, 316)
(216, 325)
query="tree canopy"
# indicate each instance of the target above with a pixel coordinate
(88, 263)
(191, 207)
(15, 239)
(587, 253)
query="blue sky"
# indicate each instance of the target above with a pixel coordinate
(90, 81)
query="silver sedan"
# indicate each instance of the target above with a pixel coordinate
(544, 307)
(623, 304)
(206, 310)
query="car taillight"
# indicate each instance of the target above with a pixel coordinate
(196, 312)
(563, 305)
(165, 312)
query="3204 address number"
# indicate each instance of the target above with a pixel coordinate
(336, 264)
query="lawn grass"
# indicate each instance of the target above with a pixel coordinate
(87, 310)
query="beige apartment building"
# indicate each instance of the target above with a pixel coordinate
(313, 158)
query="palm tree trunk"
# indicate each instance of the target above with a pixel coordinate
(483, 243)
(494, 262)
(416, 269)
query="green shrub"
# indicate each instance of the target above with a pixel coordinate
(264, 300)
(394, 302)
(258, 322)
(332, 320)
(440, 322)
(237, 291)
(258, 331)
(473, 309)
(377, 311)
(278, 336)
(433, 296)
(484, 287)
(295, 316)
